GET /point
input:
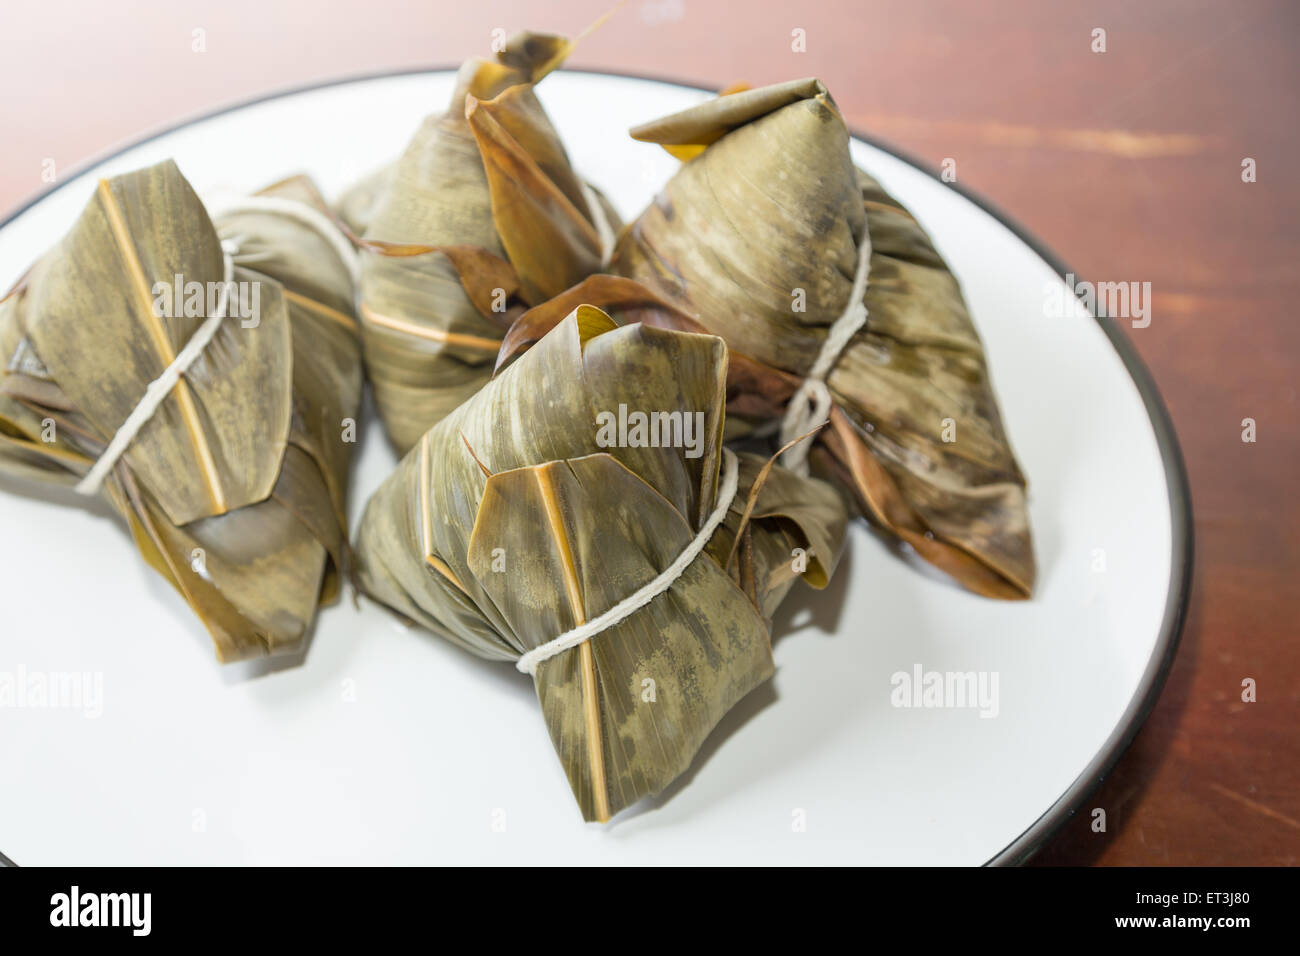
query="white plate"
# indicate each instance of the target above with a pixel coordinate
(388, 745)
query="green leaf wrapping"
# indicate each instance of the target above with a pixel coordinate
(769, 213)
(481, 216)
(509, 523)
(234, 492)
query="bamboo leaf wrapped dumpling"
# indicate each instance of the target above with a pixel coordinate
(285, 232)
(481, 217)
(758, 239)
(516, 520)
(233, 484)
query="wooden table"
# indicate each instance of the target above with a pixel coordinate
(1128, 163)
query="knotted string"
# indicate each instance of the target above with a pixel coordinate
(644, 595)
(158, 390)
(810, 406)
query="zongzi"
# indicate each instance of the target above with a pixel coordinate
(836, 305)
(631, 571)
(144, 358)
(482, 217)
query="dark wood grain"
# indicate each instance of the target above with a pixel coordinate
(1127, 163)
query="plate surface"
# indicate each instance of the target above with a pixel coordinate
(387, 745)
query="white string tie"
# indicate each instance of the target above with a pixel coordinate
(158, 390)
(810, 406)
(643, 596)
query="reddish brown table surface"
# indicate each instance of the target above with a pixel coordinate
(1127, 163)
